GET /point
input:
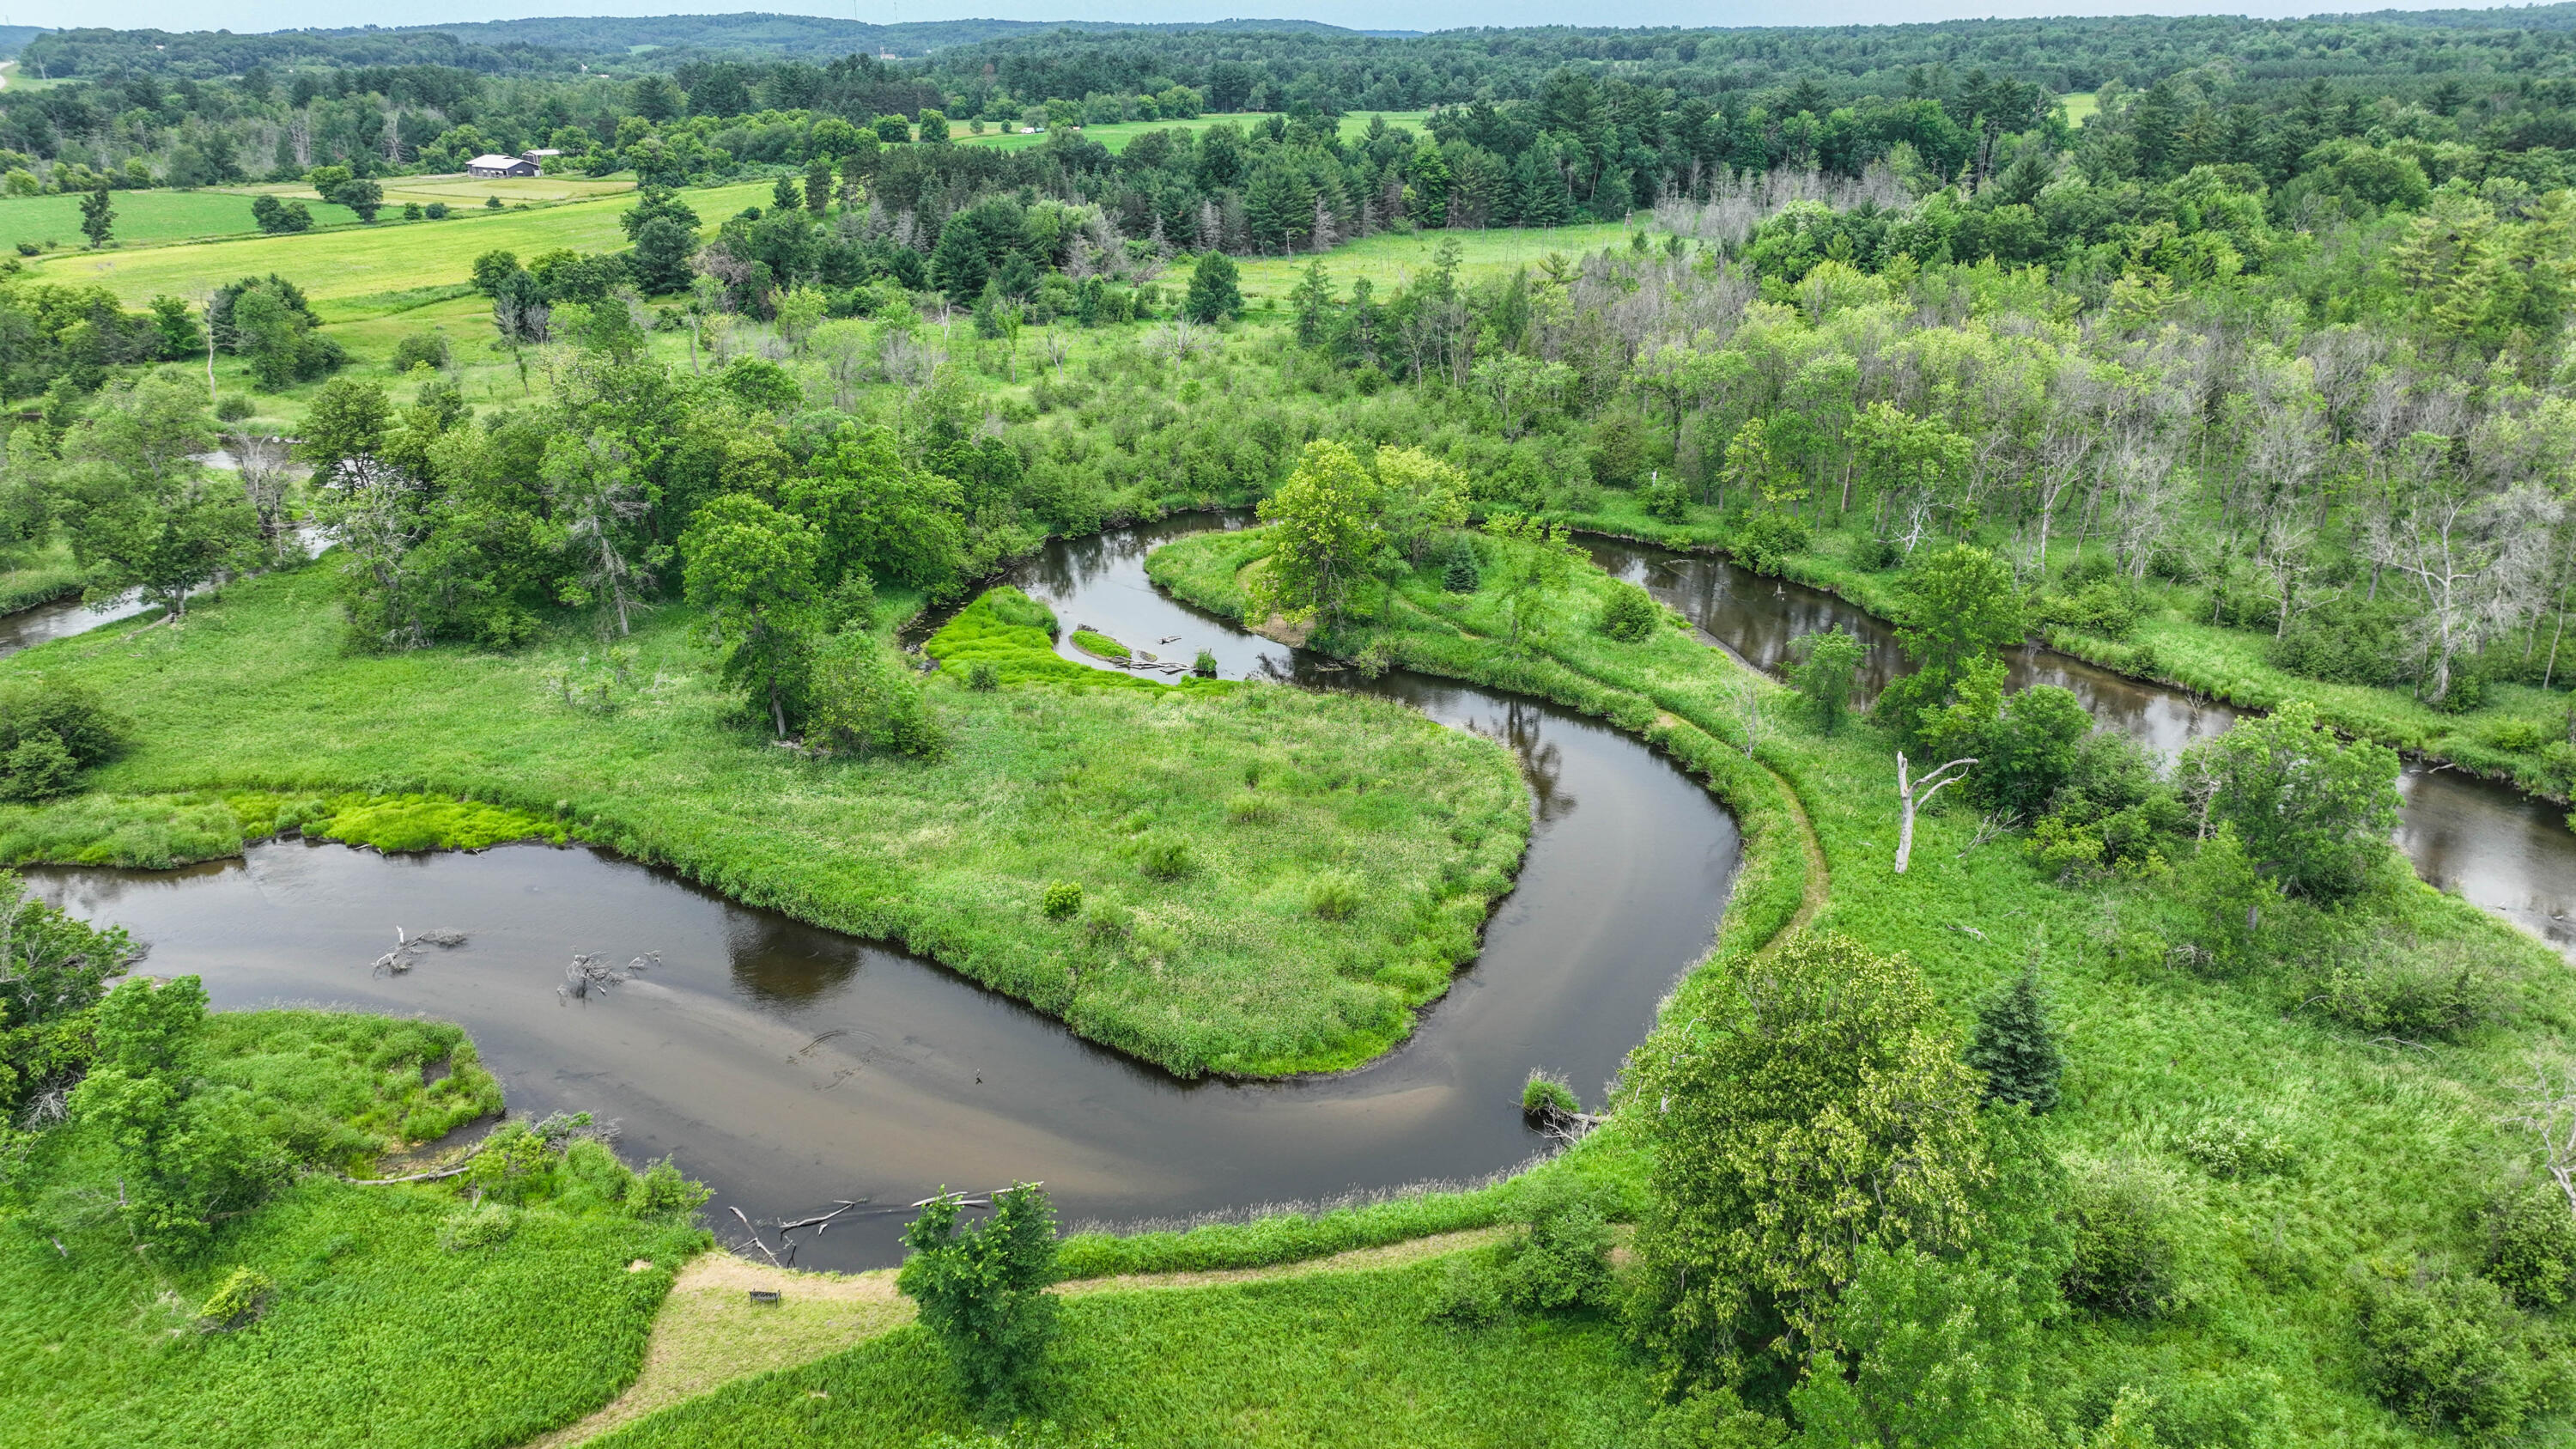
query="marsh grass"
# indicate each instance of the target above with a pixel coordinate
(2353, 1148)
(1062, 773)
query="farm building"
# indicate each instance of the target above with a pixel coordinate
(489, 166)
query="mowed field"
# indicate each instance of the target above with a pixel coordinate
(168, 216)
(367, 262)
(1117, 135)
(1391, 258)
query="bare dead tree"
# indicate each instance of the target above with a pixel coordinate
(588, 973)
(1912, 795)
(2549, 1113)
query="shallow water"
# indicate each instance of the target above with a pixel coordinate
(789, 1067)
(2493, 844)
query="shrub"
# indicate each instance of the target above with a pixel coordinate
(483, 1225)
(1631, 614)
(237, 1301)
(1667, 500)
(1563, 1261)
(1765, 543)
(1335, 895)
(1205, 665)
(1062, 900)
(435, 211)
(1165, 856)
(982, 1290)
(1469, 1294)
(1546, 1096)
(983, 676)
(661, 1190)
(2231, 1147)
(2109, 609)
(2449, 1351)
(865, 701)
(421, 349)
(2408, 990)
(1876, 555)
(50, 731)
(2531, 1245)
(1827, 663)
(2119, 1216)
(234, 407)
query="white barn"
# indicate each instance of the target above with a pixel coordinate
(493, 166)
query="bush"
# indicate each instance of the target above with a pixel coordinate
(237, 1301)
(2409, 991)
(1876, 555)
(865, 701)
(1205, 665)
(2108, 609)
(982, 1290)
(50, 731)
(435, 211)
(1546, 1096)
(234, 407)
(1335, 895)
(1631, 614)
(483, 1225)
(1469, 1295)
(2344, 640)
(1165, 856)
(2531, 1245)
(983, 676)
(1765, 543)
(1062, 900)
(2449, 1352)
(2231, 1147)
(1667, 500)
(421, 349)
(1563, 1261)
(2119, 1217)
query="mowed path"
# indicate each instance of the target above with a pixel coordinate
(709, 1332)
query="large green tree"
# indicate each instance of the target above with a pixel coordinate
(751, 568)
(1814, 1105)
(2311, 812)
(982, 1290)
(141, 512)
(1324, 534)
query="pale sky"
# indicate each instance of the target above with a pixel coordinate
(253, 15)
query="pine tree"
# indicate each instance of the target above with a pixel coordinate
(2017, 1048)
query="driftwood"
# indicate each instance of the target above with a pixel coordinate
(1913, 794)
(407, 950)
(755, 1238)
(589, 973)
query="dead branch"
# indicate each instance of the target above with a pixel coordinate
(589, 973)
(755, 1238)
(2549, 1111)
(1907, 789)
(1990, 827)
(407, 950)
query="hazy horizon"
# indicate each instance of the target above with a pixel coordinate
(262, 15)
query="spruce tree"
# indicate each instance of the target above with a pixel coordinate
(2017, 1048)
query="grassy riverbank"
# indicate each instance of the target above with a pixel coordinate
(2517, 734)
(378, 1327)
(2384, 1155)
(1269, 880)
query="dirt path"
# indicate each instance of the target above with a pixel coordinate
(709, 1332)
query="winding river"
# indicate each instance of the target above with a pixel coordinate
(2496, 846)
(790, 1067)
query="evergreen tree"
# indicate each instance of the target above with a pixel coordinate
(1214, 294)
(2016, 1047)
(98, 217)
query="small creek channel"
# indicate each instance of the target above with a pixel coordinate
(789, 1067)
(2496, 846)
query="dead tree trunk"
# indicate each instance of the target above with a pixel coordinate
(1910, 802)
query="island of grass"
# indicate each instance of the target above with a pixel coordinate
(1101, 646)
(1197, 818)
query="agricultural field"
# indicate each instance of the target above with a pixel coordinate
(53, 222)
(391, 256)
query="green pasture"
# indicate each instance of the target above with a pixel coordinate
(1389, 259)
(143, 216)
(391, 256)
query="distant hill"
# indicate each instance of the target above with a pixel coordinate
(14, 38)
(563, 43)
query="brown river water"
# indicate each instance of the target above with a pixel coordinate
(790, 1067)
(2496, 846)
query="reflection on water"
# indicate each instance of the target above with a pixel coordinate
(2502, 849)
(787, 1066)
(44, 623)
